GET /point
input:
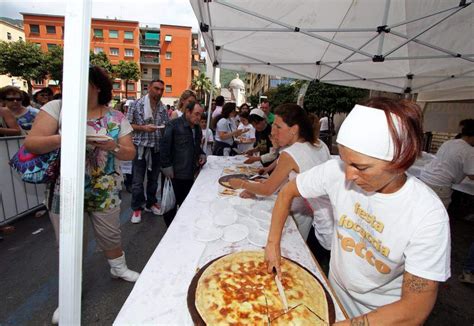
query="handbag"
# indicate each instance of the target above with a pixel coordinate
(36, 168)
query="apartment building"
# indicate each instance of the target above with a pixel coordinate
(119, 39)
(258, 84)
(11, 33)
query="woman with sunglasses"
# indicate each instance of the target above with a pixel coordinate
(9, 96)
(18, 104)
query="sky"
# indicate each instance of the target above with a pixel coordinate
(147, 12)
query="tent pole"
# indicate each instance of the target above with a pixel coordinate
(75, 93)
(208, 123)
(384, 22)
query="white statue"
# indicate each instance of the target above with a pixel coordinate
(237, 90)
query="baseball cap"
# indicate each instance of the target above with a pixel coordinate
(258, 112)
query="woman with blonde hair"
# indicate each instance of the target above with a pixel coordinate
(186, 97)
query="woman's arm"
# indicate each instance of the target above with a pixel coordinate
(43, 136)
(127, 150)
(284, 166)
(227, 135)
(12, 129)
(413, 308)
(281, 210)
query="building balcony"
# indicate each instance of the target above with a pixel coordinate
(196, 64)
(147, 47)
(150, 60)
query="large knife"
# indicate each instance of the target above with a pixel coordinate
(281, 291)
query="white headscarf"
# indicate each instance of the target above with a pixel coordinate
(366, 130)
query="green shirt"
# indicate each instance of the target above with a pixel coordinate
(270, 118)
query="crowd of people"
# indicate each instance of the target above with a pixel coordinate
(386, 231)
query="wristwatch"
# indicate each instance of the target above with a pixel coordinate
(116, 149)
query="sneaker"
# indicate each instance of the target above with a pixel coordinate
(155, 209)
(137, 216)
(466, 277)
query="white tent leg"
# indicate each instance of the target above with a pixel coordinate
(208, 123)
(75, 91)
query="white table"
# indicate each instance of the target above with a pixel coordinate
(159, 295)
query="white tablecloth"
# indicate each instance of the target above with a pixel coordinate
(159, 296)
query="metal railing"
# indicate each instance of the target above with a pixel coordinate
(151, 60)
(17, 198)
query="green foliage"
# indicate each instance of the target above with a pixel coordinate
(253, 99)
(22, 59)
(101, 60)
(202, 85)
(329, 99)
(126, 70)
(283, 93)
(54, 63)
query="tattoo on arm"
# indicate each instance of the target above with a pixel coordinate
(360, 321)
(416, 284)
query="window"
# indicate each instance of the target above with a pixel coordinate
(38, 45)
(51, 46)
(168, 72)
(168, 38)
(34, 29)
(98, 50)
(168, 55)
(145, 86)
(39, 81)
(168, 88)
(116, 85)
(145, 71)
(50, 29)
(113, 34)
(99, 33)
(114, 51)
(20, 38)
(128, 35)
(129, 52)
(9, 36)
(130, 87)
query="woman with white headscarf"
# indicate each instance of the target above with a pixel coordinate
(391, 240)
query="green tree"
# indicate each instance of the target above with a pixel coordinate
(126, 70)
(54, 64)
(253, 99)
(202, 85)
(326, 99)
(283, 93)
(22, 59)
(101, 60)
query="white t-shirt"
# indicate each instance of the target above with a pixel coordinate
(227, 126)
(377, 237)
(307, 156)
(245, 136)
(324, 124)
(454, 160)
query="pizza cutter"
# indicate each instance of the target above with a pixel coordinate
(281, 291)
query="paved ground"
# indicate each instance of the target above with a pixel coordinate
(29, 273)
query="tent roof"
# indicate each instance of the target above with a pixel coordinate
(396, 46)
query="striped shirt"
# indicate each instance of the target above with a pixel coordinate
(136, 115)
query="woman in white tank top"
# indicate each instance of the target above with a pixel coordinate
(293, 129)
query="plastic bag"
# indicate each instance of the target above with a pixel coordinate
(168, 200)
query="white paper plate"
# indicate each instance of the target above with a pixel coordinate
(242, 210)
(225, 217)
(218, 206)
(98, 138)
(257, 238)
(207, 235)
(250, 223)
(204, 223)
(261, 214)
(235, 232)
(265, 205)
(264, 225)
(234, 201)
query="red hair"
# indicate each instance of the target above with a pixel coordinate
(408, 135)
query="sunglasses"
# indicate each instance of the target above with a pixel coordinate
(11, 99)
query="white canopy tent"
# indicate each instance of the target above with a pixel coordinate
(399, 46)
